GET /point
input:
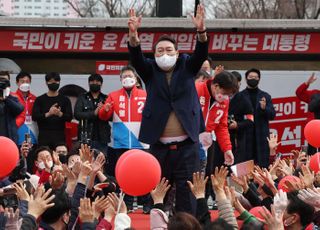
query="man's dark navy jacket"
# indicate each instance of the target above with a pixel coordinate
(181, 96)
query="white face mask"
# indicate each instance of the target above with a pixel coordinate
(220, 98)
(25, 87)
(128, 82)
(50, 164)
(42, 166)
(166, 62)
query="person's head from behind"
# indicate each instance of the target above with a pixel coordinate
(95, 82)
(201, 76)
(23, 80)
(253, 78)
(53, 81)
(219, 224)
(298, 213)
(128, 77)
(185, 221)
(223, 85)
(166, 52)
(43, 158)
(58, 215)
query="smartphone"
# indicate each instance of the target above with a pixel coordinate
(279, 155)
(9, 191)
(27, 138)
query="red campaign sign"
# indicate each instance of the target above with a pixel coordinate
(110, 67)
(291, 117)
(110, 42)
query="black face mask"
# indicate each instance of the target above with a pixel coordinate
(252, 83)
(53, 86)
(94, 88)
(63, 159)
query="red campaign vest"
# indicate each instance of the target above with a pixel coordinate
(215, 117)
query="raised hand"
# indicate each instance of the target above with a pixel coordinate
(55, 158)
(218, 180)
(311, 79)
(280, 202)
(198, 185)
(198, 20)
(56, 180)
(310, 196)
(12, 218)
(218, 69)
(114, 201)
(273, 143)
(85, 153)
(85, 169)
(272, 220)
(25, 148)
(307, 176)
(40, 202)
(22, 193)
(286, 169)
(134, 22)
(273, 168)
(98, 162)
(294, 185)
(160, 191)
(242, 181)
(86, 211)
(100, 204)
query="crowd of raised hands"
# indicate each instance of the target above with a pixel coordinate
(72, 197)
(280, 204)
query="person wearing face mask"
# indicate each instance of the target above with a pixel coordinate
(51, 111)
(124, 108)
(92, 130)
(58, 216)
(312, 97)
(298, 214)
(214, 99)
(10, 108)
(43, 163)
(27, 99)
(240, 120)
(263, 112)
(171, 119)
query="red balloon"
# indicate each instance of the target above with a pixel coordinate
(9, 156)
(255, 212)
(121, 159)
(312, 133)
(138, 172)
(315, 162)
(282, 182)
